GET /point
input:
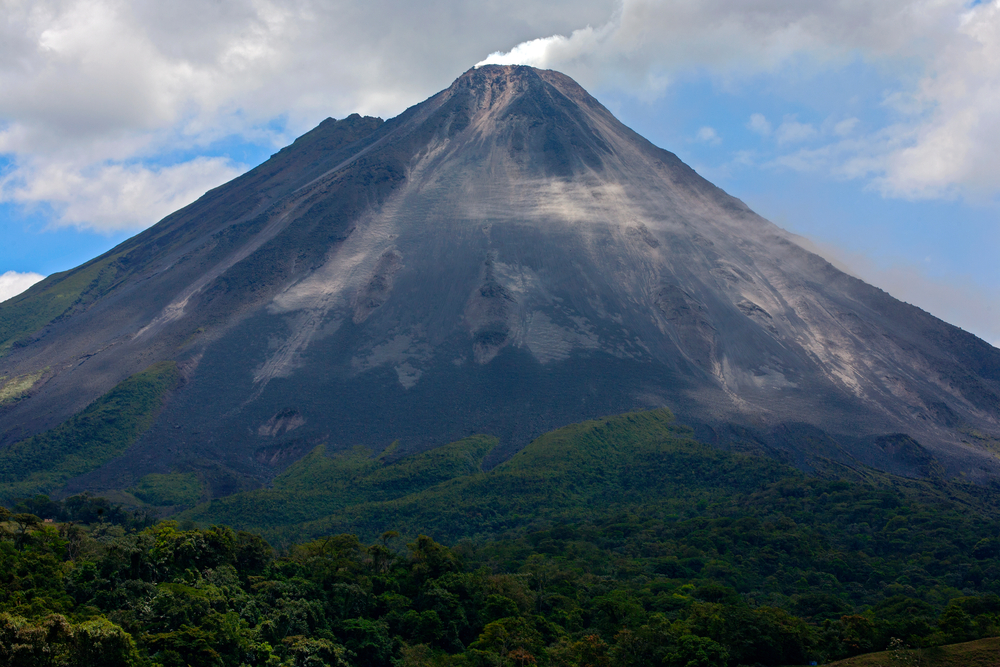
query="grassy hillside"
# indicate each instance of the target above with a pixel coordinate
(981, 653)
(105, 429)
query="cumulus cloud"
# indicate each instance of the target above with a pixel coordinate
(656, 39)
(954, 148)
(13, 283)
(99, 90)
(708, 135)
(792, 131)
(115, 197)
(949, 132)
(845, 127)
(94, 89)
(759, 124)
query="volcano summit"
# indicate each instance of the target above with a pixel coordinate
(505, 258)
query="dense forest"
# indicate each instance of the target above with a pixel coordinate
(612, 543)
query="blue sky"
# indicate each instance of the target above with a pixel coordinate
(871, 130)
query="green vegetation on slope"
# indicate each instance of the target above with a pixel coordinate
(105, 429)
(319, 485)
(178, 488)
(619, 542)
(637, 484)
(620, 462)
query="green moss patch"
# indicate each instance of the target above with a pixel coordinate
(13, 389)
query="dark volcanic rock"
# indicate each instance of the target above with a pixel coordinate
(505, 257)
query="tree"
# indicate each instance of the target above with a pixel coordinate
(430, 560)
(101, 642)
(24, 522)
(308, 652)
(956, 624)
(253, 553)
(508, 635)
(55, 641)
(695, 651)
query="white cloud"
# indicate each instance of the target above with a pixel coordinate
(845, 127)
(98, 89)
(948, 133)
(955, 145)
(653, 39)
(95, 90)
(792, 131)
(708, 135)
(13, 283)
(115, 197)
(547, 51)
(759, 124)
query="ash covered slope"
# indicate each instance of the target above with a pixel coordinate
(507, 258)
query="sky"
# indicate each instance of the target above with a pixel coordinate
(871, 129)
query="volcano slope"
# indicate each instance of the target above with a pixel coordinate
(503, 258)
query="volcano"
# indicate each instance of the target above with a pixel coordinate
(504, 258)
